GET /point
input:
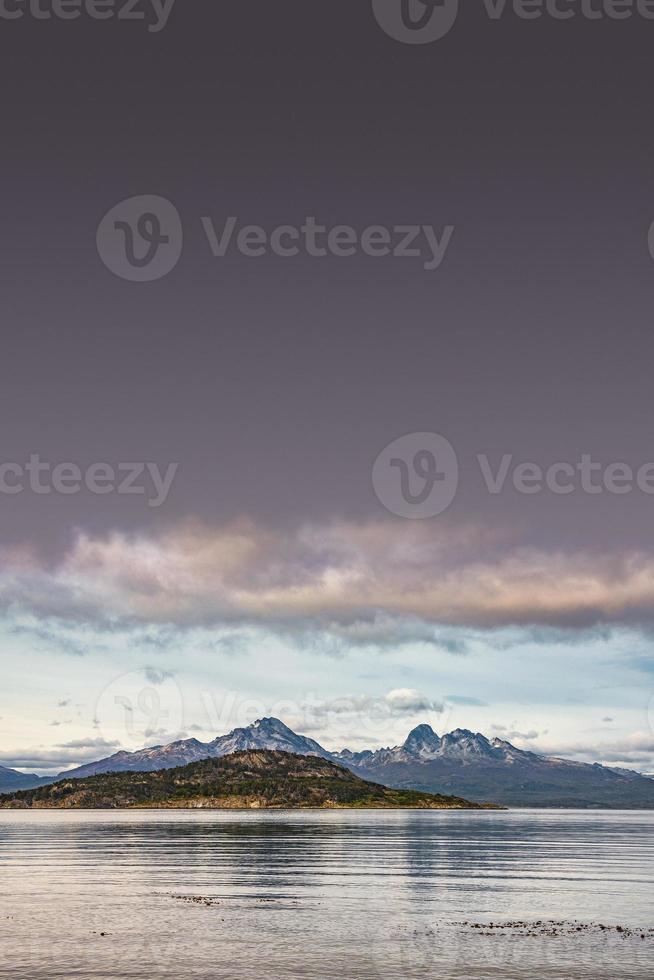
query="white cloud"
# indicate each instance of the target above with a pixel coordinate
(407, 701)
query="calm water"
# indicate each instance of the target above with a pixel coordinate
(323, 894)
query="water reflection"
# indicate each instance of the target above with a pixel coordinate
(320, 894)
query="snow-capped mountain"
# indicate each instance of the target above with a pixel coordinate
(424, 745)
(459, 763)
(266, 733)
(146, 760)
(465, 763)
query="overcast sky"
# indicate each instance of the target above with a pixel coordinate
(268, 566)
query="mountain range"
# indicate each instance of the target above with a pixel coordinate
(459, 763)
(468, 764)
(259, 778)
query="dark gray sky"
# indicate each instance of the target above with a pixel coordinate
(275, 383)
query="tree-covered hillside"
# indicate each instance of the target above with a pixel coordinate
(244, 779)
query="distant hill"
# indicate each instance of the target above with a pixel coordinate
(252, 779)
(11, 780)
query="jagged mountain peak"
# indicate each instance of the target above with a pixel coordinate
(266, 733)
(422, 741)
(465, 735)
(501, 743)
(462, 739)
(259, 729)
(422, 732)
(272, 725)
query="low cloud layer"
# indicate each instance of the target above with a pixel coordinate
(365, 583)
(635, 751)
(60, 757)
(399, 703)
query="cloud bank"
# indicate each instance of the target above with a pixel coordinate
(360, 581)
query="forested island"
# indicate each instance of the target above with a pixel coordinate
(248, 780)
